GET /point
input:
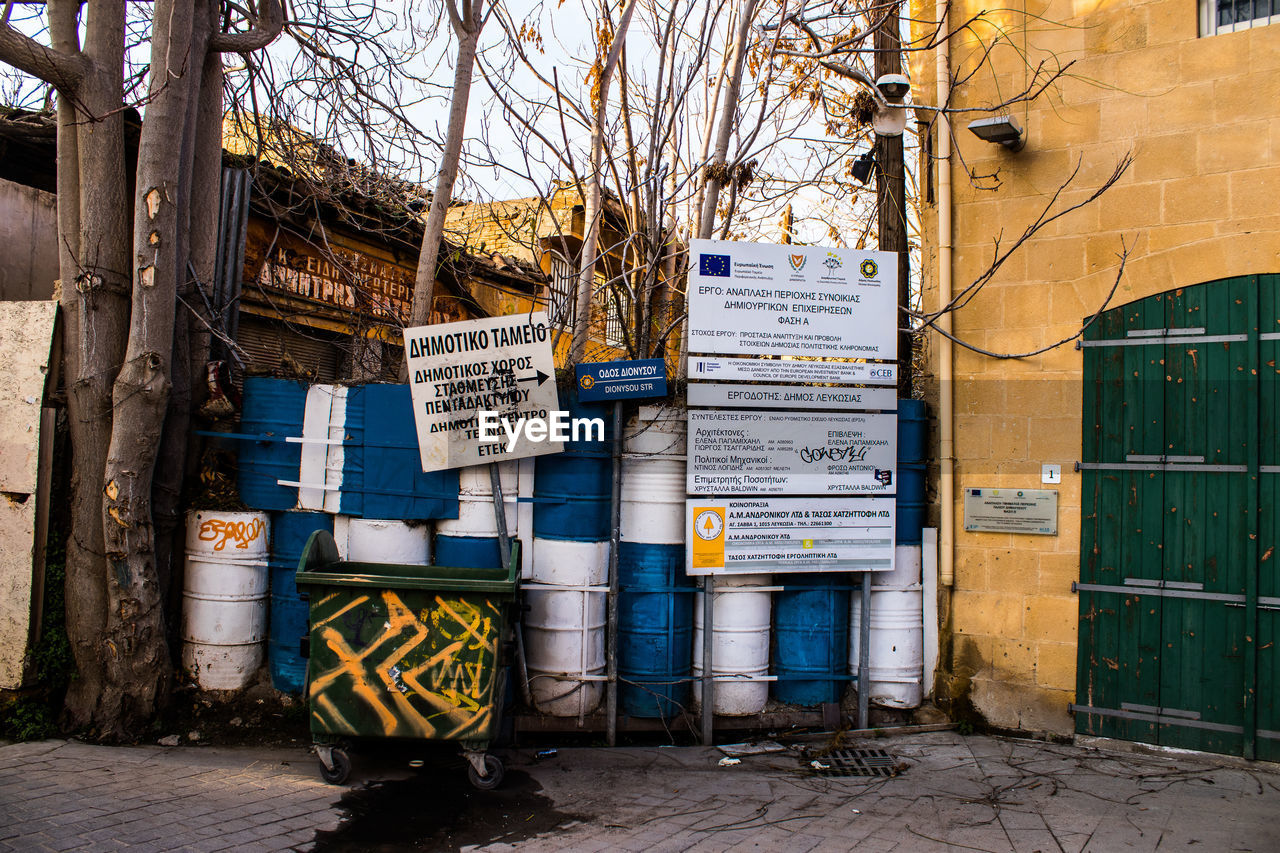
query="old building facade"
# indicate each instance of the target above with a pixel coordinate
(1149, 615)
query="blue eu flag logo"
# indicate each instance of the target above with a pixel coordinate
(713, 265)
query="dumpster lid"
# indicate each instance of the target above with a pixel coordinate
(321, 566)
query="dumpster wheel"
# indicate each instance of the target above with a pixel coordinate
(494, 771)
(336, 770)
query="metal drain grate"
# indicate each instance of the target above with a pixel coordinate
(855, 762)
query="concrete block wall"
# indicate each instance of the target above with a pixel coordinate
(1201, 118)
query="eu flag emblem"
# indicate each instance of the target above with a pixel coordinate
(713, 265)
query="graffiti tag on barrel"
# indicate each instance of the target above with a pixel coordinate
(380, 669)
(222, 531)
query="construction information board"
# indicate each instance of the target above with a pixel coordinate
(794, 453)
(790, 370)
(1011, 511)
(457, 370)
(789, 396)
(765, 299)
(743, 536)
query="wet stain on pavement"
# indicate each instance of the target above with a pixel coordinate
(440, 811)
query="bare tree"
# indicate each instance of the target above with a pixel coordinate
(119, 290)
(466, 20)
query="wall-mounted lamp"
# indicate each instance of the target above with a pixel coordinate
(891, 120)
(1004, 130)
(864, 167)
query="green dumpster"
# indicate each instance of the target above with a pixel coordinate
(398, 651)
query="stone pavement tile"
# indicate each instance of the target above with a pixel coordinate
(1033, 840)
(1018, 818)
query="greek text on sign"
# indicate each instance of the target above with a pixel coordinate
(1011, 511)
(790, 396)
(790, 370)
(749, 535)
(768, 299)
(497, 364)
(791, 453)
(621, 380)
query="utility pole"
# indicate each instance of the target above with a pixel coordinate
(891, 196)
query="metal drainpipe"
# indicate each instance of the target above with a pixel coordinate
(946, 369)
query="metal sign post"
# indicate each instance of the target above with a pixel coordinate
(615, 525)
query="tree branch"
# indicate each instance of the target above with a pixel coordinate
(62, 70)
(266, 26)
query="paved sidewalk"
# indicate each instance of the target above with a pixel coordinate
(953, 793)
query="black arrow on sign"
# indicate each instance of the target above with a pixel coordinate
(538, 377)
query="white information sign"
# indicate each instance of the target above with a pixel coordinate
(458, 370)
(766, 299)
(791, 453)
(789, 396)
(747, 535)
(1032, 511)
(790, 370)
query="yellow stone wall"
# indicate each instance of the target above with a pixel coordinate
(1200, 202)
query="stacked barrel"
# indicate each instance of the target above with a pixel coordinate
(897, 620)
(289, 612)
(655, 596)
(564, 630)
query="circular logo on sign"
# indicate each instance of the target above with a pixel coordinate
(708, 525)
(587, 382)
(869, 268)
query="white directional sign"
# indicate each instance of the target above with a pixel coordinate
(791, 453)
(746, 535)
(790, 370)
(763, 299)
(721, 394)
(457, 371)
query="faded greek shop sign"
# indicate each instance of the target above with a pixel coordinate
(344, 275)
(762, 299)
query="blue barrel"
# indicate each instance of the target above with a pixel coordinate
(289, 534)
(655, 629)
(468, 552)
(273, 409)
(913, 430)
(910, 503)
(811, 637)
(572, 490)
(912, 452)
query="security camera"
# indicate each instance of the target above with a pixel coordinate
(893, 86)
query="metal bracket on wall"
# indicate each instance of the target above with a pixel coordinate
(1160, 589)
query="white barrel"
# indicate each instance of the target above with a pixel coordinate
(224, 597)
(564, 630)
(740, 644)
(377, 540)
(476, 517)
(653, 476)
(896, 679)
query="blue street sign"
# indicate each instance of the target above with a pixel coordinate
(622, 380)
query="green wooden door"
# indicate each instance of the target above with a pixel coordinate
(1177, 583)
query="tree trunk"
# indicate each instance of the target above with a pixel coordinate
(715, 175)
(137, 665)
(96, 313)
(467, 29)
(891, 196)
(591, 213)
(190, 347)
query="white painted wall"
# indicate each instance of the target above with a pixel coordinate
(26, 329)
(29, 235)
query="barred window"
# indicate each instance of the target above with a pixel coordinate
(1228, 16)
(564, 279)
